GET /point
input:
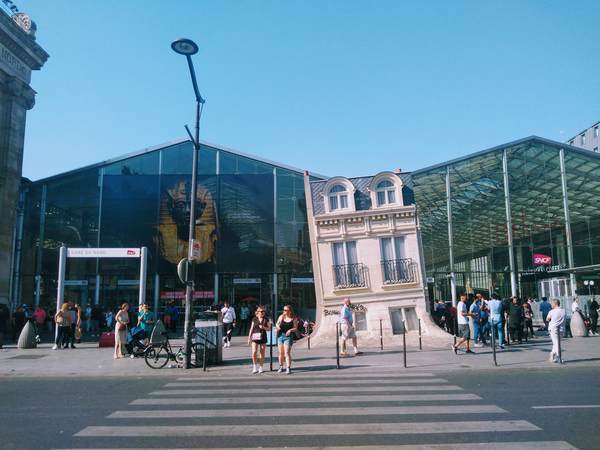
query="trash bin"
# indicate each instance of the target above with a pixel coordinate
(208, 332)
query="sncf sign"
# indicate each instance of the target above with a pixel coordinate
(540, 259)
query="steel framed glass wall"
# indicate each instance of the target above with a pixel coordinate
(251, 221)
(509, 218)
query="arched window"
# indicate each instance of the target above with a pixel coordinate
(338, 197)
(386, 193)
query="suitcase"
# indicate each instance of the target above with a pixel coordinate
(107, 339)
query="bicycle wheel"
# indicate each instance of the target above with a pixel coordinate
(156, 357)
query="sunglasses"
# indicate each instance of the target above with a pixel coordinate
(260, 312)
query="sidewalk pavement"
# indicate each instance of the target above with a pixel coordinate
(87, 360)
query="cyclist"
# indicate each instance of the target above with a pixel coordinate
(258, 339)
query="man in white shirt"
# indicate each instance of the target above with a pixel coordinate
(556, 319)
(462, 317)
(228, 323)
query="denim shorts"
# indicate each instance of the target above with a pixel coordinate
(285, 340)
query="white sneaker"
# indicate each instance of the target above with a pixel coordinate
(260, 370)
(280, 369)
(254, 370)
(288, 371)
(478, 345)
(55, 347)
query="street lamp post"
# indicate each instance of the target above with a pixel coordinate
(187, 47)
(589, 284)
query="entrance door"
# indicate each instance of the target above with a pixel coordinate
(555, 287)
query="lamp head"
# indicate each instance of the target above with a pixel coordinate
(185, 47)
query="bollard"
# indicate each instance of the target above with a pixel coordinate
(337, 344)
(494, 343)
(204, 355)
(420, 342)
(560, 360)
(381, 333)
(404, 341)
(271, 350)
(308, 341)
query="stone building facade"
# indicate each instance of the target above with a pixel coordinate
(365, 246)
(19, 56)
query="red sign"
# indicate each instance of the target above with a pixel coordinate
(131, 252)
(181, 294)
(540, 259)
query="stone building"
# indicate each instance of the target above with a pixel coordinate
(365, 246)
(19, 55)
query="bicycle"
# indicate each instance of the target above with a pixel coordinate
(157, 356)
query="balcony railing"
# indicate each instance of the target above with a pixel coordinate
(350, 276)
(398, 271)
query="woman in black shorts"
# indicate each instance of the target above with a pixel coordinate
(258, 338)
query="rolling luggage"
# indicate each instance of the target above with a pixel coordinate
(107, 339)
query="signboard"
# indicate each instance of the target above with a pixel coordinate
(128, 282)
(300, 280)
(247, 281)
(76, 282)
(179, 295)
(103, 253)
(540, 259)
(430, 280)
(196, 250)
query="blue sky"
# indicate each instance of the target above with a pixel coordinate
(336, 87)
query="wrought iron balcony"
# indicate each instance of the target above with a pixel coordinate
(398, 271)
(348, 276)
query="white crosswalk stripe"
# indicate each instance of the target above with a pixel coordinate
(294, 412)
(310, 429)
(367, 407)
(305, 399)
(306, 390)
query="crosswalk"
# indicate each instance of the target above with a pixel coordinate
(356, 410)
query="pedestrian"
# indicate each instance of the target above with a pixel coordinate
(484, 323)
(244, 319)
(462, 318)
(347, 328)
(121, 321)
(39, 318)
(475, 318)
(4, 315)
(145, 319)
(87, 318)
(75, 316)
(62, 319)
(528, 318)
(496, 318)
(96, 319)
(174, 313)
(108, 318)
(545, 308)
(257, 338)
(228, 323)
(593, 308)
(555, 319)
(287, 326)
(515, 320)
(18, 322)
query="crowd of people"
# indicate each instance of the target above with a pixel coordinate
(478, 320)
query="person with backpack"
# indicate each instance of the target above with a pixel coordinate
(257, 338)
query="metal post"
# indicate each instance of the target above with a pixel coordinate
(420, 340)
(455, 329)
(450, 238)
(60, 294)
(404, 341)
(308, 342)
(565, 196)
(494, 342)
(97, 290)
(271, 332)
(204, 353)
(156, 292)
(509, 234)
(337, 344)
(560, 360)
(381, 333)
(143, 271)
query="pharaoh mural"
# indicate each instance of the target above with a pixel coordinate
(175, 218)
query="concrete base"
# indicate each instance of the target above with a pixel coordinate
(27, 337)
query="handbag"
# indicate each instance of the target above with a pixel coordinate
(121, 327)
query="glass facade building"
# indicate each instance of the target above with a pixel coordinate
(250, 220)
(521, 219)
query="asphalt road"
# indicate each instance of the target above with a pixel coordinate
(344, 408)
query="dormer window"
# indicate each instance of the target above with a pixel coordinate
(386, 193)
(338, 197)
